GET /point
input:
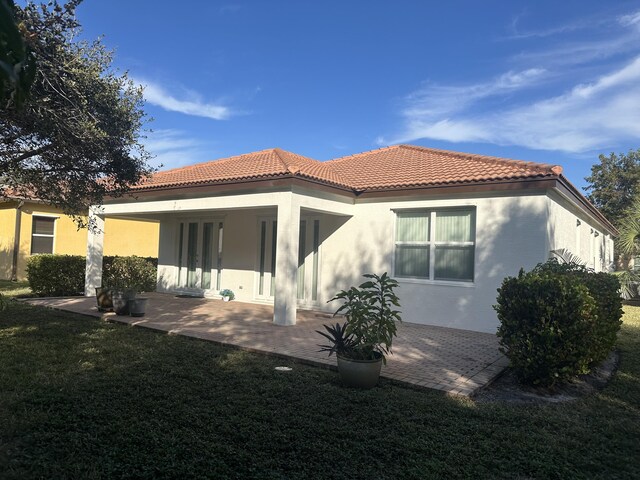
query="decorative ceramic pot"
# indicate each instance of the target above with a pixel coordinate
(226, 299)
(360, 373)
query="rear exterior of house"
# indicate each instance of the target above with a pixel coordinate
(276, 227)
(29, 228)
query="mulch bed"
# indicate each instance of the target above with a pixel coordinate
(506, 389)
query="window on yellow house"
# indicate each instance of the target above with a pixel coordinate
(42, 234)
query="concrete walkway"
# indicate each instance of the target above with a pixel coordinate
(453, 361)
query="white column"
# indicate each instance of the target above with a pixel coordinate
(286, 292)
(95, 244)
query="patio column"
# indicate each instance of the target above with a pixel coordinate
(95, 244)
(284, 307)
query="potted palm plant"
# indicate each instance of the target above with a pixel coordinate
(362, 343)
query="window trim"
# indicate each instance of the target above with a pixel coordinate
(44, 235)
(432, 244)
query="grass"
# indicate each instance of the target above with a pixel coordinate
(14, 289)
(82, 398)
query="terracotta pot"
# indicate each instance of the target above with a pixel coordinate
(359, 373)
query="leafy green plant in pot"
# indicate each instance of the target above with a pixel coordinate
(126, 277)
(227, 295)
(362, 343)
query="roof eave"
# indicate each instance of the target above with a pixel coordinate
(574, 193)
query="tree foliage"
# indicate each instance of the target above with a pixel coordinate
(628, 245)
(614, 184)
(76, 138)
(17, 61)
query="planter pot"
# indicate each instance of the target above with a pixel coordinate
(137, 306)
(226, 299)
(359, 373)
(103, 298)
(121, 301)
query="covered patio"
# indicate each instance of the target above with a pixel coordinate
(450, 360)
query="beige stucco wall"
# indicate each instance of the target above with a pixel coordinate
(572, 229)
(513, 231)
(510, 234)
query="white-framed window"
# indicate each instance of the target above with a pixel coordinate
(42, 234)
(435, 244)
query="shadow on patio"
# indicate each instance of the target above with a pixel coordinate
(453, 361)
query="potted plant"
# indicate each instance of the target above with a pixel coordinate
(363, 341)
(227, 295)
(128, 276)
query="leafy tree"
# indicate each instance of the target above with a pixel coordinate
(76, 138)
(614, 184)
(17, 62)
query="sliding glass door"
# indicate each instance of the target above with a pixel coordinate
(308, 259)
(199, 255)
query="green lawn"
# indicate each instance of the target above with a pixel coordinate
(81, 398)
(14, 289)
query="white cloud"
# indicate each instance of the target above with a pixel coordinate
(173, 148)
(630, 19)
(194, 105)
(512, 110)
(434, 100)
(588, 117)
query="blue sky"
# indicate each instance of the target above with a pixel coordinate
(547, 81)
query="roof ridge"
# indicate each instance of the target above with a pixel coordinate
(556, 169)
(359, 154)
(217, 160)
(543, 167)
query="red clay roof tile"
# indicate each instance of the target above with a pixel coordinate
(399, 166)
(265, 163)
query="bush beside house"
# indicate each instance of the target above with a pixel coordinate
(557, 321)
(62, 275)
(133, 272)
(56, 275)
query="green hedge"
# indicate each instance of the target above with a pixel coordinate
(63, 275)
(605, 290)
(134, 272)
(56, 275)
(557, 321)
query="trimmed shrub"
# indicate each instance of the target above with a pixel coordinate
(56, 275)
(543, 323)
(605, 290)
(557, 321)
(138, 273)
(107, 261)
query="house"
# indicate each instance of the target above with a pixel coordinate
(277, 227)
(29, 227)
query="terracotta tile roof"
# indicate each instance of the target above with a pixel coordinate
(399, 166)
(402, 166)
(263, 164)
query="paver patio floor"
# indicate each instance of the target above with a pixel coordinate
(451, 360)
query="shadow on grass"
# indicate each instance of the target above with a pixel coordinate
(84, 398)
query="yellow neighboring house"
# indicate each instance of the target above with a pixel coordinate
(30, 227)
